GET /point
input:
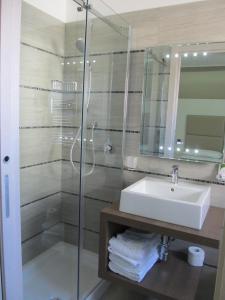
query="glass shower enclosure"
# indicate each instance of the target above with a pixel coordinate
(72, 89)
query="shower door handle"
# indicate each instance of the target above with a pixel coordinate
(7, 202)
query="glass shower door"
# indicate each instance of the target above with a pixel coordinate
(50, 114)
(72, 87)
(101, 158)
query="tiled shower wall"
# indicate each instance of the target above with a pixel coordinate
(108, 68)
(49, 185)
(42, 51)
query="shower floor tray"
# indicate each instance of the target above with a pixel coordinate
(52, 275)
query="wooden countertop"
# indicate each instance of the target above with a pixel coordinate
(209, 235)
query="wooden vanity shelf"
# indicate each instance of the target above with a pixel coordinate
(175, 279)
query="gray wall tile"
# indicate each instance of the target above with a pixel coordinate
(105, 183)
(105, 109)
(35, 108)
(91, 241)
(194, 22)
(39, 145)
(136, 77)
(39, 181)
(104, 38)
(39, 68)
(40, 216)
(42, 30)
(92, 213)
(92, 209)
(70, 209)
(70, 234)
(101, 138)
(42, 242)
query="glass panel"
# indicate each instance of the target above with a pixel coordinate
(60, 126)
(155, 99)
(106, 67)
(49, 122)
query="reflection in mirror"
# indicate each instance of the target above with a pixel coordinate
(183, 109)
(201, 107)
(155, 99)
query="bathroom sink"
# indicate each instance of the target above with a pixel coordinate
(183, 204)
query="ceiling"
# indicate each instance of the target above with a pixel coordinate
(65, 10)
(129, 5)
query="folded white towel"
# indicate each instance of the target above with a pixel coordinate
(138, 267)
(137, 275)
(130, 245)
(135, 262)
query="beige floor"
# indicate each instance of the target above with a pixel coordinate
(205, 290)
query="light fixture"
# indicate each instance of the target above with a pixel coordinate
(187, 150)
(176, 55)
(81, 61)
(167, 56)
(62, 63)
(68, 63)
(178, 149)
(94, 61)
(185, 54)
(195, 54)
(196, 151)
(205, 53)
(74, 62)
(161, 147)
(169, 148)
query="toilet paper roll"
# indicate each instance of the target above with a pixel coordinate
(196, 256)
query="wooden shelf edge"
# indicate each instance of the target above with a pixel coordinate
(209, 235)
(173, 280)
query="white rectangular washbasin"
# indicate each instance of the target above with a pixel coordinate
(183, 204)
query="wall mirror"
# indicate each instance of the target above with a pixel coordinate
(183, 107)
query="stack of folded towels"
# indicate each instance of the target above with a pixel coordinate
(133, 253)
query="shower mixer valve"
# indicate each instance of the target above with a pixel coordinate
(108, 146)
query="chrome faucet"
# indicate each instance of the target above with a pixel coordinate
(174, 174)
